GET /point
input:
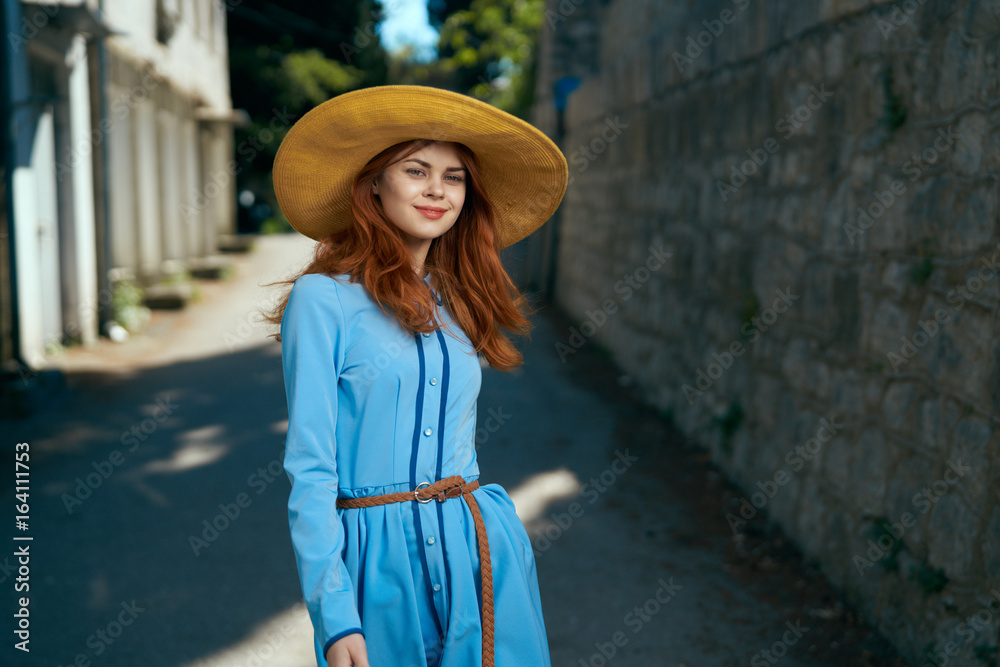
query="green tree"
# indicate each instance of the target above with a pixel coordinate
(286, 59)
(487, 51)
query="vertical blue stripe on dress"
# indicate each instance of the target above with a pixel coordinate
(417, 418)
(444, 401)
(445, 374)
(413, 482)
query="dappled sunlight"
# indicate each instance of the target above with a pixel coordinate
(284, 640)
(533, 495)
(198, 448)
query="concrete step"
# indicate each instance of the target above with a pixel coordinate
(213, 267)
(236, 242)
(168, 297)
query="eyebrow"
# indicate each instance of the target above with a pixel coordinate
(427, 166)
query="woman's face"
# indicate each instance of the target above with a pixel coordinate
(423, 193)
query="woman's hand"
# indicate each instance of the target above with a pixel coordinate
(349, 651)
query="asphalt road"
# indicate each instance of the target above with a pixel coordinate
(159, 533)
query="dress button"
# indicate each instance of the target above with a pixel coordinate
(434, 381)
(427, 335)
(427, 431)
(430, 540)
(437, 587)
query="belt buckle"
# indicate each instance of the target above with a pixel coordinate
(417, 490)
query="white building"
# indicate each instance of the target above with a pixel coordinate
(119, 163)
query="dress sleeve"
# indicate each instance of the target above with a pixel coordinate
(312, 348)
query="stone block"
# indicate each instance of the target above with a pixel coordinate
(961, 86)
(834, 57)
(973, 221)
(900, 407)
(884, 325)
(952, 533)
(900, 601)
(991, 545)
(871, 458)
(938, 417)
(954, 357)
(832, 10)
(835, 462)
(902, 499)
(971, 446)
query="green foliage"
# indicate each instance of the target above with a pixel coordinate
(487, 51)
(986, 654)
(921, 272)
(275, 225)
(893, 111)
(882, 527)
(285, 58)
(126, 306)
(728, 424)
(307, 78)
(930, 581)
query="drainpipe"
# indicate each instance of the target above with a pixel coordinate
(14, 95)
(99, 93)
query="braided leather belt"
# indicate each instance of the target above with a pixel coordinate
(450, 487)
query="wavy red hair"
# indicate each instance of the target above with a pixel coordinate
(464, 263)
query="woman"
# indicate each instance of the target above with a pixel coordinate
(411, 192)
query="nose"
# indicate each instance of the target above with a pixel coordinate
(435, 187)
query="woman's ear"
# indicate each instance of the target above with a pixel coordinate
(375, 187)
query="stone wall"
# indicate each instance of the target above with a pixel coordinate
(823, 177)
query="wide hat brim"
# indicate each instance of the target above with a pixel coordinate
(523, 172)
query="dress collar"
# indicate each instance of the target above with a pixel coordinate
(437, 297)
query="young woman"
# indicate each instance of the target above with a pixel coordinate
(411, 192)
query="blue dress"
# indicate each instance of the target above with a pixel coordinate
(374, 409)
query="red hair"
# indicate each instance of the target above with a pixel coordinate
(464, 263)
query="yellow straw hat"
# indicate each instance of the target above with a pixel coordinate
(523, 172)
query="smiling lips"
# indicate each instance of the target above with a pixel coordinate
(431, 212)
